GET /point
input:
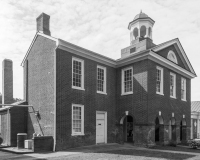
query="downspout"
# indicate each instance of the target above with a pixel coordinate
(54, 145)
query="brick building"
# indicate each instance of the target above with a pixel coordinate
(83, 98)
(195, 119)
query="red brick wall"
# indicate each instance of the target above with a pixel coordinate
(135, 103)
(40, 81)
(91, 100)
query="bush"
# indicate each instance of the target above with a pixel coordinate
(194, 143)
(172, 143)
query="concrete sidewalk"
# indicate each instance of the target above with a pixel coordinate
(100, 148)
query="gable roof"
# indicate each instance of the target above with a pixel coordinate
(195, 106)
(177, 42)
(145, 54)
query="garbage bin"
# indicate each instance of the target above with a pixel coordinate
(21, 137)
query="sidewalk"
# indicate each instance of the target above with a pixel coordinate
(101, 148)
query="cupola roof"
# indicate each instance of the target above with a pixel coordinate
(141, 15)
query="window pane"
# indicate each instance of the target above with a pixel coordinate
(100, 79)
(128, 80)
(77, 73)
(76, 119)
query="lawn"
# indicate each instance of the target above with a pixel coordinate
(124, 154)
(177, 148)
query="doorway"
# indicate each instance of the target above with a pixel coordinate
(128, 129)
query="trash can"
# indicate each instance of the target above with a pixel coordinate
(21, 137)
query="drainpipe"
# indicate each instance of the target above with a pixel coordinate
(54, 145)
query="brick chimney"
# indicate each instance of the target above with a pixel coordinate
(7, 81)
(43, 23)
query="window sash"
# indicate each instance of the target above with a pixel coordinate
(77, 119)
(159, 80)
(172, 85)
(100, 79)
(127, 78)
(183, 89)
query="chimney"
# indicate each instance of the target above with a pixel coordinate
(43, 24)
(7, 81)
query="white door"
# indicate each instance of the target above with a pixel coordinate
(100, 128)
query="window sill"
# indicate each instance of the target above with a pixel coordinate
(78, 134)
(101, 92)
(123, 94)
(184, 100)
(160, 93)
(173, 97)
(73, 87)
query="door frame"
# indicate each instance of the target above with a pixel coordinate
(105, 125)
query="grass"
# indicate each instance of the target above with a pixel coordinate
(177, 148)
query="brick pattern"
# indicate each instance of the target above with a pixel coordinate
(39, 90)
(7, 80)
(91, 100)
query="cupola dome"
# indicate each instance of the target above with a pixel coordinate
(141, 15)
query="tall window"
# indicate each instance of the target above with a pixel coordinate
(172, 85)
(77, 119)
(77, 73)
(101, 79)
(127, 81)
(183, 89)
(159, 80)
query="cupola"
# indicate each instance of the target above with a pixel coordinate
(140, 27)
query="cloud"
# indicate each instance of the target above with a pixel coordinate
(100, 26)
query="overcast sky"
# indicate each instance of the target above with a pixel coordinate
(98, 25)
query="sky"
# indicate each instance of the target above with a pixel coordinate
(97, 25)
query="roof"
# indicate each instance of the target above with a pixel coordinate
(141, 15)
(195, 106)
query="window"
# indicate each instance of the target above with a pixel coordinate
(77, 73)
(101, 79)
(77, 119)
(172, 85)
(127, 81)
(172, 57)
(183, 89)
(159, 80)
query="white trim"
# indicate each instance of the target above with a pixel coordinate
(165, 62)
(86, 53)
(172, 56)
(105, 80)
(162, 81)
(122, 81)
(174, 89)
(171, 42)
(82, 120)
(183, 79)
(82, 73)
(105, 133)
(32, 43)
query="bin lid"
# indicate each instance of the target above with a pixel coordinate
(21, 134)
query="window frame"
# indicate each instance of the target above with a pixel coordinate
(162, 80)
(184, 80)
(105, 80)
(174, 89)
(122, 80)
(82, 73)
(82, 120)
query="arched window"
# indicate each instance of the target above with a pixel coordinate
(172, 57)
(142, 31)
(135, 32)
(149, 32)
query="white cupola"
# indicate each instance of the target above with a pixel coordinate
(140, 27)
